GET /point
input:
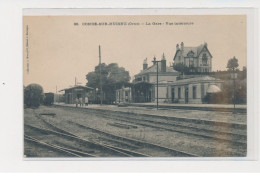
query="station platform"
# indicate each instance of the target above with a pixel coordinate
(190, 111)
(206, 107)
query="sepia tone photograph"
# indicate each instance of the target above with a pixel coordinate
(135, 86)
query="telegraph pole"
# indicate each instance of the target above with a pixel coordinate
(234, 76)
(157, 85)
(100, 77)
(157, 102)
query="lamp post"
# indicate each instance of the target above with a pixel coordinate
(234, 76)
(157, 102)
(100, 77)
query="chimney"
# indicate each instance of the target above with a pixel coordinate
(177, 47)
(145, 65)
(163, 64)
(182, 46)
(154, 61)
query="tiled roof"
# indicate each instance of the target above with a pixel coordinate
(195, 79)
(196, 50)
(153, 68)
(78, 86)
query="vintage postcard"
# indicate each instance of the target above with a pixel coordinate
(131, 86)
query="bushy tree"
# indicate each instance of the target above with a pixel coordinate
(180, 67)
(232, 64)
(110, 74)
(33, 95)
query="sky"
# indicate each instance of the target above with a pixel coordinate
(58, 49)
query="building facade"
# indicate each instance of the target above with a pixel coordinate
(173, 86)
(124, 95)
(192, 90)
(195, 59)
(76, 92)
(144, 87)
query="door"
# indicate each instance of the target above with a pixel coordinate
(186, 95)
(173, 95)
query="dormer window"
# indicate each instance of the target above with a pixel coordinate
(190, 54)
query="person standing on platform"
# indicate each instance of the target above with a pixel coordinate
(86, 101)
(80, 102)
(77, 102)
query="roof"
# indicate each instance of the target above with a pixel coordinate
(213, 89)
(142, 82)
(196, 79)
(196, 50)
(78, 86)
(153, 69)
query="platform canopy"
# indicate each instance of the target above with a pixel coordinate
(78, 87)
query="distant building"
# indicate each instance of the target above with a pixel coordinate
(197, 59)
(76, 92)
(124, 95)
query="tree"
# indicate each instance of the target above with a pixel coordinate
(110, 74)
(232, 64)
(180, 67)
(33, 95)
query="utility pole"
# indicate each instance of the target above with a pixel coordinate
(157, 102)
(100, 77)
(234, 76)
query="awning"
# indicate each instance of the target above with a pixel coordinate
(213, 89)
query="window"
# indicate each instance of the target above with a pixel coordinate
(204, 60)
(191, 62)
(179, 93)
(194, 92)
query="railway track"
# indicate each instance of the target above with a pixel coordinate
(220, 132)
(133, 147)
(232, 135)
(75, 144)
(197, 130)
(68, 152)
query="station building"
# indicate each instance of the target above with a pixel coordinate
(77, 91)
(145, 83)
(144, 86)
(190, 86)
(192, 90)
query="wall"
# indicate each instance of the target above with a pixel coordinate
(162, 93)
(153, 78)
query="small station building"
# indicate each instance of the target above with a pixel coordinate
(192, 90)
(76, 92)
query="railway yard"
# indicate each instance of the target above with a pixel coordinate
(109, 131)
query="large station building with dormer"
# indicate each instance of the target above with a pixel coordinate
(189, 86)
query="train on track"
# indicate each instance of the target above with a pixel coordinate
(48, 99)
